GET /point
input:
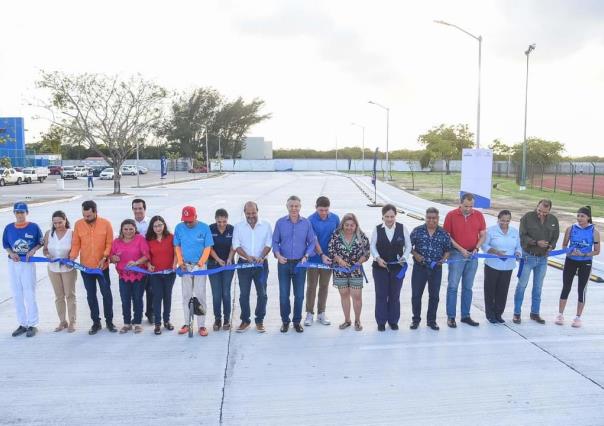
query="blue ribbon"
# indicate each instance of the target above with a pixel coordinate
(202, 272)
(316, 265)
(67, 262)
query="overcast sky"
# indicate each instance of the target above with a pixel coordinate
(316, 64)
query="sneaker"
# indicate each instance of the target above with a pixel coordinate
(184, 329)
(469, 321)
(243, 327)
(217, 325)
(451, 323)
(260, 328)
(323, 319)
(309, 319)
(95, 328)
(157, 330)
(559, 319)
(168, 326)
(576, 322)
(203, 332)
(19, 331)
(31, 331)
(537, 318)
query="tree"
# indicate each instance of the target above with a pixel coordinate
(445, 143)
(539, 151)
(501, 150)
(103, 110)
(52, 140)
(5, 162)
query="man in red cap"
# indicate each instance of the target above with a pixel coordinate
(192, 246)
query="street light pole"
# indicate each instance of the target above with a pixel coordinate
(387, 131)
(207, 154)
(336, 153)
(138, 175)
(219, 153)
(362, 147)
(479, 40)
(527, 52)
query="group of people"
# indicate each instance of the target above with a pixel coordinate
(310, 252)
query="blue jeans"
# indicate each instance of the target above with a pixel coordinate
(131, 293)
(221, 294)
(162, 292)
(90, 281)
(464, 271)
(290, 276)
(538, 265)
(90, 182)
(259, 276)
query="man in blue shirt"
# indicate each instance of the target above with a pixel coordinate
(324, 223)
(431, 246)
(293, 242)
(23, 238)
(192, 245)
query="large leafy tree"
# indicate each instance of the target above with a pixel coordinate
(104, 111)
(539, 152)
(445, 143)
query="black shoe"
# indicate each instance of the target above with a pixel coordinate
(414, 325)
(19, 331)
(469, 321)
(95, 328)
(284, 327)
(149, 318)
(168, 326)
(31, 331)
(516, 319)
(217, 325)
(433, 326)
(381, 327)
(298, 327)
(493, 320)
(111, 327)
(500, 320)
(393, 326)
(157, 330)
(451, 323)
(537, 318)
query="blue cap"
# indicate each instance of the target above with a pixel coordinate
(20, 206)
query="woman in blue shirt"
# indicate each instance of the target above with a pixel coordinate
(21, 240)
(222, 254)
(501, 239)
(584, 239)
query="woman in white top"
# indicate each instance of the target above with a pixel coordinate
(57, 244)
(390, 247)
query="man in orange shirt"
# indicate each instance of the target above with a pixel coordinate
(467, 228)
(92, 238)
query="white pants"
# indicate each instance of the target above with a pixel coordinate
(23, 285)
(198, 290)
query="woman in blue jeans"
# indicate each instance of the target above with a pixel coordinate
(222, 254)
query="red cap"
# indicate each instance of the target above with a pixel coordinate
(189, 214)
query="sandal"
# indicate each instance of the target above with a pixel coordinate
(358, 326)
(125, 329)
(345, 324)
(138, 328)
(62, 326)
(71, 327)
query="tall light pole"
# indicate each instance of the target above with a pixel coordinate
(219, 153)
(207, 154)
(336, 153)
(479, 40)
(387, 131)
(362, 147)
(138, 175)
(527, 52)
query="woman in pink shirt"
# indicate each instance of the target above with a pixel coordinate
(130, 249)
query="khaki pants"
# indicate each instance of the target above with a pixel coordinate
(63, 283)
(194, 286)
(322, 277)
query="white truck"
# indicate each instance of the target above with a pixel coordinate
(10, 175)
(32, 174)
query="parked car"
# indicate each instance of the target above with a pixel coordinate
(107, 174)
(81, 171)
(69, 172)
(142, 170)
(54, 170)
(11, 175)
(32, 174)
(128, 169)
(202, 169)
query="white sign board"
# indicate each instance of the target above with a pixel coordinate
(476, 175)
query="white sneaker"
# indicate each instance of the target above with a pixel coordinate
(560, 319)
(323, 319)
(309, 319)
(577, 322)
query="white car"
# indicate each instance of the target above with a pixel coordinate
(69, 172)
(142, 170)
(81, 171)
(128, 169)
(107, 174)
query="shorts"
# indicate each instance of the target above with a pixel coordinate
(348, 282)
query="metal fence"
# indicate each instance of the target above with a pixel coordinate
(584, 178)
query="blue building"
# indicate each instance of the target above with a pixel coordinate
(12, 140)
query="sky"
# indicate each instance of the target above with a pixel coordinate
(317, 64)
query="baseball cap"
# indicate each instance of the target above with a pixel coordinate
(189, 214)
(20, 206)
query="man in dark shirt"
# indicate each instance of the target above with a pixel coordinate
(539, 232)
(430, 244)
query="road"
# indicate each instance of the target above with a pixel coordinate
(492, 374)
